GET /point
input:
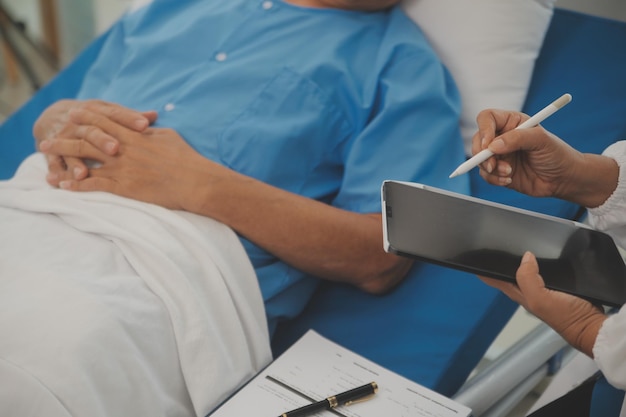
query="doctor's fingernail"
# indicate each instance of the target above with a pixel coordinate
(497, 145)
(45, 145)
(504, 170)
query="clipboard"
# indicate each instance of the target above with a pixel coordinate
(315, 367)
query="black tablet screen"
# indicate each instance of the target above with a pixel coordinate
(490, 239)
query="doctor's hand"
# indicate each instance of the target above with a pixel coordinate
(578, 321)
(538, 163)
(154, 165)
(56, 122)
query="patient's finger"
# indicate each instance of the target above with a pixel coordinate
(76, 168)
(89, 184)
(151, 115)
(62, 169)
(56, 163)
(124, 116)
(107, 126)
(94, 135)
(56, 169)
(68, 148)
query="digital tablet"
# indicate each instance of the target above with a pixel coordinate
(489, 239)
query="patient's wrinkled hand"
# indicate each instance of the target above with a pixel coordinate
(155, 165)
(56, 123)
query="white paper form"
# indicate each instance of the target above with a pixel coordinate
(315, 368)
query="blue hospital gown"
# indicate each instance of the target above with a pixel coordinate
(325, 103)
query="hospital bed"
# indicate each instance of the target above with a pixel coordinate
(582, 55)
(436, 330)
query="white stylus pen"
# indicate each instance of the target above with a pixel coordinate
(539, 117)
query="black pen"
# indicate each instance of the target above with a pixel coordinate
(345, 398)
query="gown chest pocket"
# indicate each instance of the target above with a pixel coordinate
(284, 133)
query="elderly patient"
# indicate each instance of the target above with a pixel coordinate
(221, 157)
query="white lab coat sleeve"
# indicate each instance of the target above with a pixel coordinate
(610, 348)
(611, 216)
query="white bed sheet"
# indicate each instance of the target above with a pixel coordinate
(109, 306)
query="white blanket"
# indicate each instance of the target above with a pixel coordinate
(113, 307)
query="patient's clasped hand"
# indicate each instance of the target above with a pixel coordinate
(233, 170)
